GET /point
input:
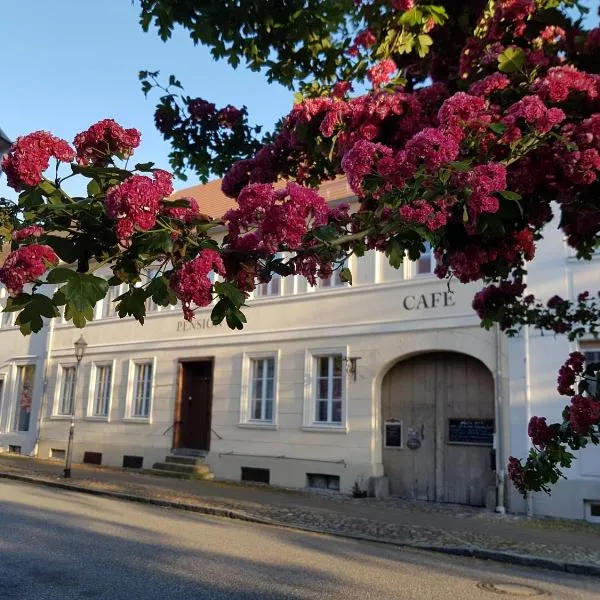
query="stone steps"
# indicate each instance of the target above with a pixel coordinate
(183, 466)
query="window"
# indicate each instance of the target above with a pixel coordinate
(328, 393)
(108, 304)
(426, 263)
(6, 318)
(142, 390)
(592, 356)
(273, 288)
(67, 388)
(333, 280)
(262, 388)
(101, 385)
(24, 387)
(151, 306)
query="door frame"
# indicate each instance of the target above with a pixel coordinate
(178, 399)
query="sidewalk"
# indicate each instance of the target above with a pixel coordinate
(552, 543)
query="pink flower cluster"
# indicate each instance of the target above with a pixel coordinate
(381, 72)
(569, 372)
(103, 140)
(433, 215)
(533, 111)
(27, 232)
(29, 157)
(267, 219)
(491, 301)
(561, 82)
(488, 85)
(191, 283)
(229, 116)
(539, 432)
(25, 265)
(136, 202)
(360, 161)
(185, 214)
(584, 413)
(200, 109)
(517, 473)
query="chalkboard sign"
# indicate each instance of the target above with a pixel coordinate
(471, 431)
(393, 434)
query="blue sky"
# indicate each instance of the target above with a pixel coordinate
(70, 63)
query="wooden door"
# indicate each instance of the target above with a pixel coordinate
(194, 406)
(444, 405)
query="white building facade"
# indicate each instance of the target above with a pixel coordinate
(390, 382)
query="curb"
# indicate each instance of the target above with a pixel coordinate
(473, 552)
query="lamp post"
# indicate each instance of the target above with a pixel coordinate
(80, 346)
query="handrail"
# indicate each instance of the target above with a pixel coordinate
(175, 424)
(219, 436)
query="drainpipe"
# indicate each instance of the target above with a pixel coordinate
(43, 401)
(528, 408)
(498, 446)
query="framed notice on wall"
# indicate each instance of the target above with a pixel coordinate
(471, 431)
(393, 434)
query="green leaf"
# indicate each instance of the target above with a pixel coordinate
(422, 44)
(60, 275)
(144, 167)
(218, 312)
(231, 292)
(93, 188)
(498, 128)
(510, 195)
(346, 275)
(511, 60)
(133, 303)
(395, 253)
(63, 247)
(459, 165)
(325, 234)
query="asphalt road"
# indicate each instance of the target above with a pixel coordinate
(63, 545)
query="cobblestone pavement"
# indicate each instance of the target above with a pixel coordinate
(452, 527)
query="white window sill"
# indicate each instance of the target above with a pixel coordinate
(60, 417)
(326, 428)
(257, 425)
(140, 420)
(97, 418)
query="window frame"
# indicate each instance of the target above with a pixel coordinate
(91, 403)
(589, 349)
(58, 388)
(415, 264)
(131, 370)
(310, 422)
(246, 400)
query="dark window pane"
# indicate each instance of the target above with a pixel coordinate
(337, 365)
(322, 388)
(270, 367)
(257, 388)
(323, 366)
(268, 410)
(336, 411)
(322, 410)
(269, 389)
(257, 409)
(337, 388)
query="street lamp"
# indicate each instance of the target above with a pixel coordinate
(80, 346)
